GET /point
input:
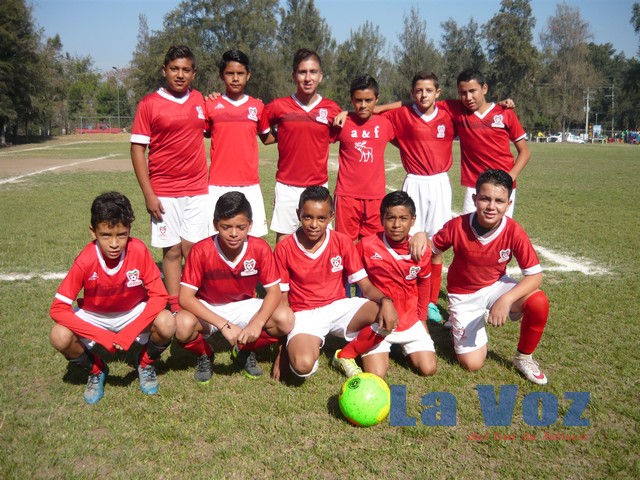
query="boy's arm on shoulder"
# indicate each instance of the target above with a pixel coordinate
(387, 106)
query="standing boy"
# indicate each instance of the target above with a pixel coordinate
(218, 291)
(233, 120)
(480, 290)
(387, 260)
(361, 184)
(486, 132)
(313, 264)
(124, 300)
(301, 122)
(171, 123)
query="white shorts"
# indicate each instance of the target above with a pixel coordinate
(114, 322)
(254, 195)
(469, 206)
(467, 314)
(432, 196)
(238, 313)
(285, 204)
(185, 218)
(331, 319)
(413, 339)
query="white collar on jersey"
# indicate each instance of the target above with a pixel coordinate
(237, 103)
(103, 264)
(486, 112)
(181, 100)
(318, 252)
(493, 234)
(235, 263)
(392, 252)
(311, 106)
(424, 117)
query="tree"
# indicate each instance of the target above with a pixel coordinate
(460, 49)
(512, 55)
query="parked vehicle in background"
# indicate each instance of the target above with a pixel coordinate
(571, 138)
(555, 138)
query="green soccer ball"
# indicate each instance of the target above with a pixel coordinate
(365, 399)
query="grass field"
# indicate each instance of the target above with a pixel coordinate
(581, 201)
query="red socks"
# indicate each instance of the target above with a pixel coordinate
(198, 346)
(264, 340)
(534, 319)
(436, 280)
(98, 364)
(365, 341)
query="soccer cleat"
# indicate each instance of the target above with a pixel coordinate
(204, 369)
(248, 362)
(94, 390)
(529, 368)
(433, 313)
(348, 366)
(148, 379)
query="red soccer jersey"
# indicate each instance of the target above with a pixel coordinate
(136, 278)
(479, 262)
(219, 281)
(303, 138)
(173, 128)
(361, 156)
(234, 145)
(485, 140)
(317, 279)
(396, 275)
(425, 141)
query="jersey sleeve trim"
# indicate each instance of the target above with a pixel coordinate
(64, 299)
(532, 270)
(357, 276)
(193, 287)
(272, 284)
(284, 287)
(141, 139)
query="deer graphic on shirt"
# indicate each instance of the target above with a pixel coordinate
(366, 153)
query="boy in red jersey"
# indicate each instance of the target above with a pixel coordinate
(486, 132)
(387, 260)
(171, 123)
(480, 290)
(233, 119)
(361, 184)
(301, 122)
(218, 291)
(313, 264)
(124, 300)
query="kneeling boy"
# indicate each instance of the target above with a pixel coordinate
(388, 262)
(477, 282)
(218, 291)
(124, 300)
(313, 264)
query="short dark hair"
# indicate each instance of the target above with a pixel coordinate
(304, 54)
(397, 198)
(233, 56)
(425, 75)
(315, 193)
(496, 177)
(364, 82)
(112, 208)
(231, 204)
(469, 74)
(179, 51)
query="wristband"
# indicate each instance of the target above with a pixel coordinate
(226, 325)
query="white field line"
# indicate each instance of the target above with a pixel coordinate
(46, 147)
(20, 177)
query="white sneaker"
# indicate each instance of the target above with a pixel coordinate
(529, 368)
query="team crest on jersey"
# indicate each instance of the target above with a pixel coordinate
(249, 268)
(323, 115)
(134, 278)
(441, 131)
(336, 264)
(200, 111)
(376, 256)
(498, 121)
(93, 277)
(413, 273)
(253, 114)
(162, 230)
(504, 255)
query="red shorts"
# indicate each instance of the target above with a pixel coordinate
(356, 217)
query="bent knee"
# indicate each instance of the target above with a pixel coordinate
(61, 337)
(185, 326)
(165, 324)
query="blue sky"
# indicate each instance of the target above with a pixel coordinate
(107, 29)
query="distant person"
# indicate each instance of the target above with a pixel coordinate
(170, 123)
(301, 123)
(124, 300)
